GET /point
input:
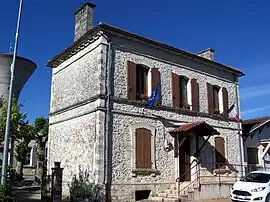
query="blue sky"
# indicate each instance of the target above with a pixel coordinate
(238, 31)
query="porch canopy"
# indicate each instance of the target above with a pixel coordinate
(189, 129)
(194, 128)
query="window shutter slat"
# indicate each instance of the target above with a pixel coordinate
(220, 152)
(143, 148)
(155, 80)
(175, 90)
(147, 149)
(225, 102)
(139, 149)
(210, 98)
(194, 95)
(131, 80)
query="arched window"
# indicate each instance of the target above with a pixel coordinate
(220, 152)
(143, 148)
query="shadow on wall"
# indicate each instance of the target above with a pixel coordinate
(206, 159)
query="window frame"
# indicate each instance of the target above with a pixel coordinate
(142, 74)
(135, 170)
(184, 102)
(216, 99)
(218, 165)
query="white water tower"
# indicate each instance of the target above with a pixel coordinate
(24, 68)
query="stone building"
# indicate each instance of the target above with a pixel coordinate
(99, 122)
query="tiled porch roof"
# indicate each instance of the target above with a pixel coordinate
(203, 127)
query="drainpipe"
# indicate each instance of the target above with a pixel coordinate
(238, 124)
(106, 148)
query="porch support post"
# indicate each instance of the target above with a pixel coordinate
(266, 150)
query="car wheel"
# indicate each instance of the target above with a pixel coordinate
(267, 198)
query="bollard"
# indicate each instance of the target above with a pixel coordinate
(57, 175)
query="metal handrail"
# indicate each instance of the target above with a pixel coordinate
(234, 168)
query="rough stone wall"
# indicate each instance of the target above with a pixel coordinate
(76, 119)
(126, 114)
(78, 78)
(83, 21)
(168, 63)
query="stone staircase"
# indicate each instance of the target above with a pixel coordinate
(171, 193)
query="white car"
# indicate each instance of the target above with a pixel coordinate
(255, 186)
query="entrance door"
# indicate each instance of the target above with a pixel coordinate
(184, 160)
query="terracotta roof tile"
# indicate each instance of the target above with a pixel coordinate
(250, 124)
(189, 126)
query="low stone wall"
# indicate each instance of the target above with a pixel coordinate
(126, 192)
(211, 191)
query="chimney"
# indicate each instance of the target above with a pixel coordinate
(84, 19)
(208, 54)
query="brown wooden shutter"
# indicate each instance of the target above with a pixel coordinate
(131, 80)
(210, 98)
(155, 80)
(220, 152)
(194, 95)
(225, 102)
(175, 90)
(147, 149)
(139, 148)
(143, 148)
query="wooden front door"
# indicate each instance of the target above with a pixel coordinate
(184, 160)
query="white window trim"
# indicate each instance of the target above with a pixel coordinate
(133, 147)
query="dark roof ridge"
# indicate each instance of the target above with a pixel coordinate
(104, 27)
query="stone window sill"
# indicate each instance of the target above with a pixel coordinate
(222, 171)
(144, 171)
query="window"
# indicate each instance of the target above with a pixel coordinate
(183, 82)
(252, 155)
(143, 148)
(220, 152)
(141, 82)
(185, 92)
(217, 100)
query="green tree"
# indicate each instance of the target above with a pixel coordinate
(25, 135)
(41, 127)
(18, 130)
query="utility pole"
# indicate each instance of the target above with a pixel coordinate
(7, 130)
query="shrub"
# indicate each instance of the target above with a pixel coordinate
(82, 189)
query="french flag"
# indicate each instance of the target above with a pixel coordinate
(233, 112)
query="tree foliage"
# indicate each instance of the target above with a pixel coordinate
(17, 119)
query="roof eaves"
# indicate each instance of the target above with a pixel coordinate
(260, 125)
(59, 57)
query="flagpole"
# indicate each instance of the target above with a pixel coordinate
(238, 124)
(7, 130)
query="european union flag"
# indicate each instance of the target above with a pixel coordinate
(154, 97)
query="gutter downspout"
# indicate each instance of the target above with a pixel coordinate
(107, 170)
(239, 132)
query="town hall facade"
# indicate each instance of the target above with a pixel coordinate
(99, 121)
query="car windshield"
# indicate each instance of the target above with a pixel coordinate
(256, 177)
